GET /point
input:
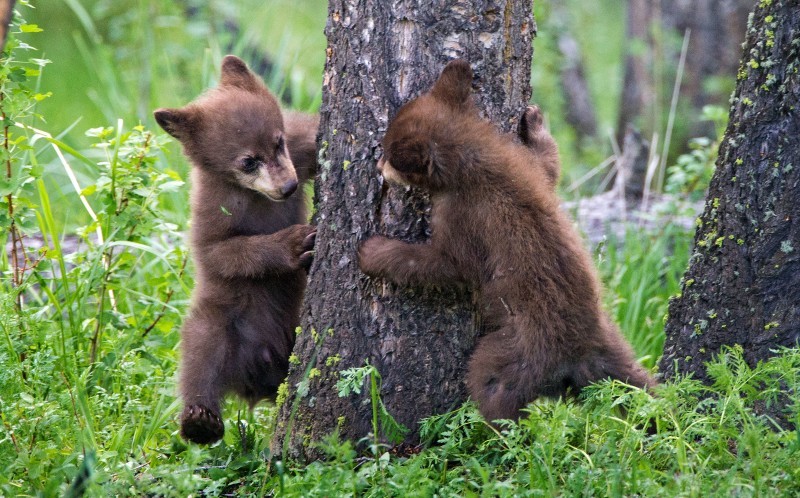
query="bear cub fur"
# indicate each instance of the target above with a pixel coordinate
(496, 225)
(250, 243)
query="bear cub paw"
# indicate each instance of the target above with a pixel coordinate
(530, 124)
(300, 244)
(201, 425)
(370, 254)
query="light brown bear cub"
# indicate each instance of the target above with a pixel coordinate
(496, 225)
(250, 244)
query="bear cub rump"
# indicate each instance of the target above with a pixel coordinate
(250, 244)
(497, 225)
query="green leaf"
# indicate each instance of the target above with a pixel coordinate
(6, 187)
(171, 186)
(30, 28)
(17, 75)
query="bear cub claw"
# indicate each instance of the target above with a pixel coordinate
(307, 248)
(201, 425)
(300, 241)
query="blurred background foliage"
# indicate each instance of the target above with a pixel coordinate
(113, 59)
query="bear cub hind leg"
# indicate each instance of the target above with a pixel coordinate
(204, 351)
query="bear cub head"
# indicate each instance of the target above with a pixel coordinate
(235, 131)
(424, 139)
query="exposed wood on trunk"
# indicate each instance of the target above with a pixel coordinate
(632, 167)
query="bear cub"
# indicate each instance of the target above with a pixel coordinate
(496, 225)
(250, 243)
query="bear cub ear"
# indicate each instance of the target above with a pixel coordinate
(410, 156)
(236, 73)
(454, 86)
(176, 122)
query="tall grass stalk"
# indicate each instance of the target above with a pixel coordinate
(676, 90)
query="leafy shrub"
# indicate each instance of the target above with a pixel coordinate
(693, 170)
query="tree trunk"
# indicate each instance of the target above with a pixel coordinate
(717, 28)
(578, 103)
(6, 13)
(380, 55)
(638, 87)
(743, 282)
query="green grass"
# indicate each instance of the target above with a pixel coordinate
(641, 273)
(90, 329)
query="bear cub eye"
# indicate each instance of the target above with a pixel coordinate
(279, 146)
(250, 164)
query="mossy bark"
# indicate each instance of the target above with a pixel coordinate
(743, 282)
(380, 55)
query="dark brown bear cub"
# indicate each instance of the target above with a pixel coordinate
(250, 244)
(496, 225)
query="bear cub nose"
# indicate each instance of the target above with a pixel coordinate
(288, 188)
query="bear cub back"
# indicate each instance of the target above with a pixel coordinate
(497, 226)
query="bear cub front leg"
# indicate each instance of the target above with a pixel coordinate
(406, 264)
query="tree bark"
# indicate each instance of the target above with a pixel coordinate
(743, 282)
(380, 55)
